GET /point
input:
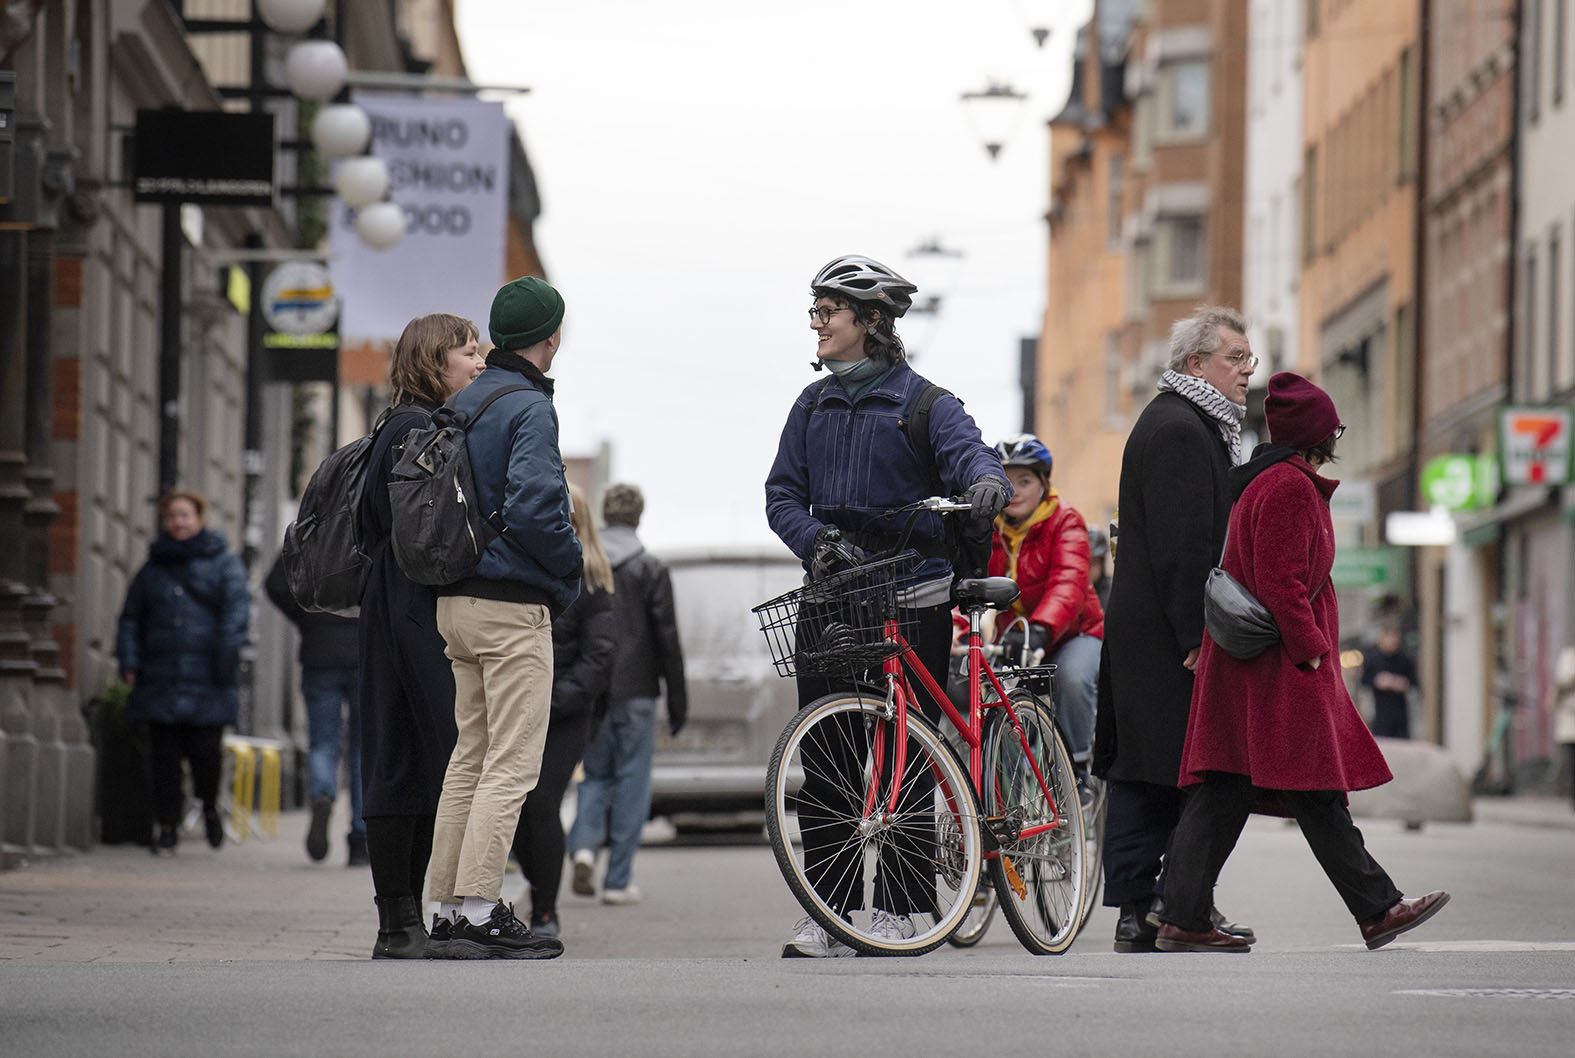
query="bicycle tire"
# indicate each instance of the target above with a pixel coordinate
(931, 846)
(977, 922)
(1039, 879)
(1094, 847)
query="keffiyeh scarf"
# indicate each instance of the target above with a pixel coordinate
(1224, 411)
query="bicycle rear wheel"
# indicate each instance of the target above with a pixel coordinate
(977, 922)
(1094, 811)
(1039, 875)
(849, 850)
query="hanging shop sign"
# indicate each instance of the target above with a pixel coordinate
(1460, 482)
(448, 160)
(207, 157)
(1534, 444)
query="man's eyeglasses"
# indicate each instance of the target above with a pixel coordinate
(824, 314)
(1240, 360)
(1339, 431)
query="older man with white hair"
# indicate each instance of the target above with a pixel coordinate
(1174, 502)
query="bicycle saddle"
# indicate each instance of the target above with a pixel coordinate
(980, 592)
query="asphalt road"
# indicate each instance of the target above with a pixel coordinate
(254, 950)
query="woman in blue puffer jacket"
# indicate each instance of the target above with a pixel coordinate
(179, 645)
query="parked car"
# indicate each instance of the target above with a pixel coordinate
(738, 705)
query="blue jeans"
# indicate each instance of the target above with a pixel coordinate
(1077, 692)
(615, 798)
(325, 691)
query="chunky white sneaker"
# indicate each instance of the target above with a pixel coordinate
(810, 941)
(886, 926)
(584, 863)
(630, 895)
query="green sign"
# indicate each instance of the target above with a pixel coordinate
(1460, 482)
(1368, 567)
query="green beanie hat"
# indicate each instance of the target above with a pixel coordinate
(524, 312)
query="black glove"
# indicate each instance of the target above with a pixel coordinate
(676, 716)
(832, 553)
(988, 495)
(1012, 641)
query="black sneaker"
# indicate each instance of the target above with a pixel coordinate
(317, 836)
(502, 936)
(358, 857)
(168, 838)
(438, 937)
(546, 924)
(213, 826)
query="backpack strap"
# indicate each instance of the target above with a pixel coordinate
(486, 403)
(917, 428)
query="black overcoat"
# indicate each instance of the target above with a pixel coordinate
(1174, 503)
(407, 684)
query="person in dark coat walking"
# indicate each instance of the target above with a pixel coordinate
(330, 659)
(1173, 503)
(584, 648)
(1281, 724)
(614, 799)
(179, 646)
(407, 684)
(1390, 674)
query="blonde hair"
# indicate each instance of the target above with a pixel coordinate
(416, 369)
(598, 570)
(196, 499)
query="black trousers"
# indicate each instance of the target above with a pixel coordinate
(202, 746)
(905, 875)
(538, 837)
(399, 848)
(1139, 821)
(1215, 813)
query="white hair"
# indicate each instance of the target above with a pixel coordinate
(1199, 333)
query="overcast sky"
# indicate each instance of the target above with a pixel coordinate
(699, 160)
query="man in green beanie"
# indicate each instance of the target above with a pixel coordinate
(503, 613)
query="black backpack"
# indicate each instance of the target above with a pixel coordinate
(324, 561)
(438, 531)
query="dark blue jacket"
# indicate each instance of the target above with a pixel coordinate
(844, 463)
(519, 474)
(181, 631)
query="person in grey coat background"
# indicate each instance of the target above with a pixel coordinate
(615, 797)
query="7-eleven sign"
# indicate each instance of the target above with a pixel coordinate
(1535, 445)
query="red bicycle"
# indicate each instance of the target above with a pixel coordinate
(883, 834)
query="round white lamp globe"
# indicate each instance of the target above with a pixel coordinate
(380, 225)
(341, 130)
(290, 16)
(361, 181)
(316, 69)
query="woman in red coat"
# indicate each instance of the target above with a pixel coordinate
(1281, 723)
(1041, 543)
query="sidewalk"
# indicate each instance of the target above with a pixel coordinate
(1529, 811)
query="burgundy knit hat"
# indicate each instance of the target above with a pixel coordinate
(1300, 414)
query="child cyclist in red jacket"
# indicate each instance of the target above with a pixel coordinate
(1042, 543)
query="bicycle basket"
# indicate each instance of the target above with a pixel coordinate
(840, 624)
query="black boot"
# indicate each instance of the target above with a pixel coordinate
(1133, 933)
(400, 933)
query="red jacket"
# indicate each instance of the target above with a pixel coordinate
(1052, 571)
(1284, 726)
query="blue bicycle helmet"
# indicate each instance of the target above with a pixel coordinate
(1025, 450)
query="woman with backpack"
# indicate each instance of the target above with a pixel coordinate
(584, 644)
(407, 684)
(179, 646)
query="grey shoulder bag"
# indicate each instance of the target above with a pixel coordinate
(1241, 625)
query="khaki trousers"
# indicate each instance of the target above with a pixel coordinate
(502, 658)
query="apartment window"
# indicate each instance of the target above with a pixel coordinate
(1531, 55)
(1142, 131)
(1408, 116)
(1558, 50)
(1549, 368)
(1183, 100)
(1310, 204)
(1113, 189)
(1313, 17)
(1181, 255)
(1522, 386)
(1112, 376)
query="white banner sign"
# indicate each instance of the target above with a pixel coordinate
(449, 164)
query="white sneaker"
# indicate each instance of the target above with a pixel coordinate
(630, 895)
(584, 883)
(886, 926)
(810, 941)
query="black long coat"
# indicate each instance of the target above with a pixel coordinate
(1174, 506)
(407, 684)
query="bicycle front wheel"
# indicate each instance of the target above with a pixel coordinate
(977, 922)
(1039, 874)
(885, 858)
(1096, 803)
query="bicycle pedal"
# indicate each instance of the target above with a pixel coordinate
(1014, 879)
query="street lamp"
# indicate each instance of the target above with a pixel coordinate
(361, 181)
(994, 113)
(380, 225)
(341, 130)
(290, 17)
(1039, 15)
(316, 69)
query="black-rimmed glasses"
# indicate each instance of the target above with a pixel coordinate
(824, 314)
(1339, 431)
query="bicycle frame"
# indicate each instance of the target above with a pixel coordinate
(904, 665)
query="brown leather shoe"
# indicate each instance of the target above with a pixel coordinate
(1406, 914)
(1172, 938)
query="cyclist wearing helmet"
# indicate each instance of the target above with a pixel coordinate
(843, 462)
(1042, 543)
(1099, 564)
